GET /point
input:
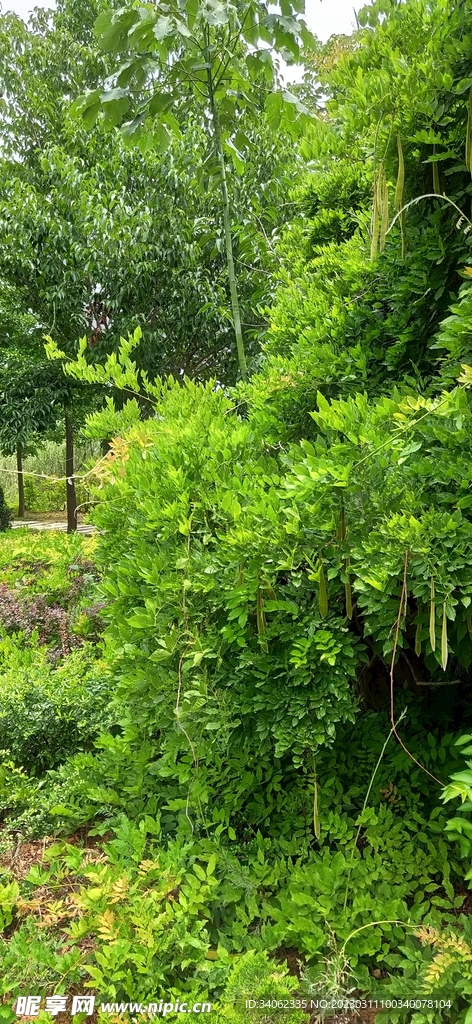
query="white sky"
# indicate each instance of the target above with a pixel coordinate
(324, 17)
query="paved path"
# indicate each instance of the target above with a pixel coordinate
(86, 528)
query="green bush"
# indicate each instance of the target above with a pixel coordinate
(214, 605)
(50, 496)
(254, 988)
(136, 928)
(47, 712)
(5, 513)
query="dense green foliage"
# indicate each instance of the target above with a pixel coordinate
(5, 513)
(243, 709)
(97, 239)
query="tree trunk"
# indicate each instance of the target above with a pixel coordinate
(226, 221)
(21, 484)
(70, 485)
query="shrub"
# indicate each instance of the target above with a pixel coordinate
(214, 607)
(254, 988)
(46, 712)
(48, 588)
(136, 927)
(5, 513)
(35, 615)
(50, 495)
(47, 563)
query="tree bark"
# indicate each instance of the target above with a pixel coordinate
(70, 485)
(21, 483)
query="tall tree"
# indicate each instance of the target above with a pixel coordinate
(35, 395)
(44, 64)
(92, 250)
(214, 54)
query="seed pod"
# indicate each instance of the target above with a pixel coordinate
(341, 536)
(436, 183)
(383, 205)
(261, 619)
(316, 816)
(375, 224)
(348, 593)
(444, 639)
(468, 140)
(322, 595)
(419, 630)
(341, 531)
(432, 620)
(399, 194)
(403, 232)
(400, 178)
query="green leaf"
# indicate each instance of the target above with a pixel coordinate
(215, 13)
(162, 138)
(182, 29)
(111, 29)
(114, 103)
(163, 27)
(236, 156)
(274, 106)
(141, 620)
(87, 108)
(90, 114)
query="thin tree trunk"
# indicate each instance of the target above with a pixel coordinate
(70, 485)
(226, 222)
(21, 483)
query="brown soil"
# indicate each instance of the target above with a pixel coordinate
(291, 958)
(466, 907)
(20, 859)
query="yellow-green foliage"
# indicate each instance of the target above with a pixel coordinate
(260, 991)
